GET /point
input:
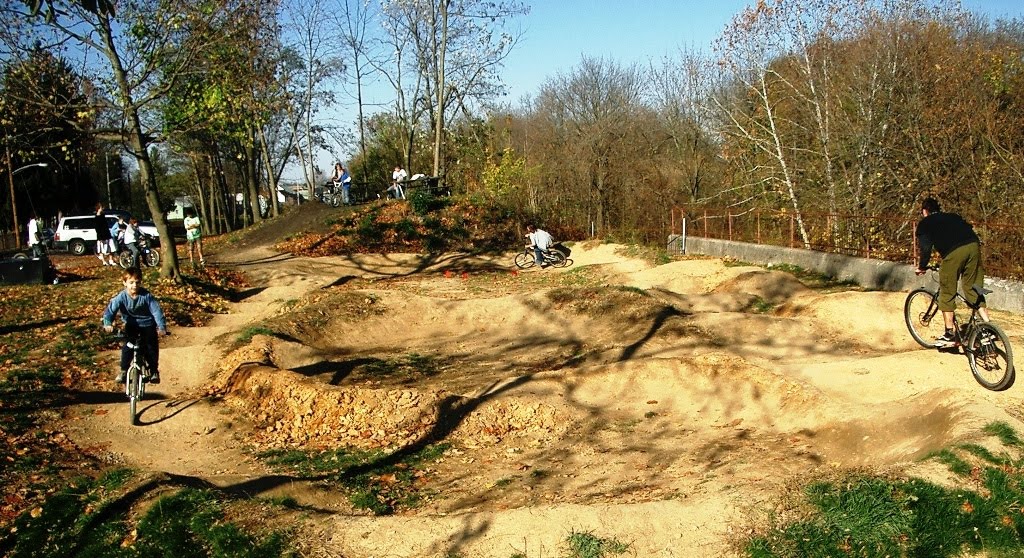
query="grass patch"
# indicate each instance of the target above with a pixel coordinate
(376, 481)
(585, 544)
(760, 306)
(86, 518)
(252, 331)
(405, 367)
(876, 516)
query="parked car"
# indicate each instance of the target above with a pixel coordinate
(77, 234)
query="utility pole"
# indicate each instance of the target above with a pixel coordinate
(14, 206)
(106, 167)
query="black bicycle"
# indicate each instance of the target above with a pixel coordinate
(148, 256)
(987, 347)
(553, 258)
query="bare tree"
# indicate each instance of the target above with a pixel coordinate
(308, 30)
(354, 21)
(459, 45)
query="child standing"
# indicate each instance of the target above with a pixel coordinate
(194, 236)
(141, 314)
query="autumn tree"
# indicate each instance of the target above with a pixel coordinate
(146, 47)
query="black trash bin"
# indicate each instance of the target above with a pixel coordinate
(27, 271)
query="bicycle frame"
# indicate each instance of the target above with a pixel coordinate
(136, 377)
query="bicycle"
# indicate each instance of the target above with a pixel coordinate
(987, 347)
(137, 376)
(148, 255)
(554, 258)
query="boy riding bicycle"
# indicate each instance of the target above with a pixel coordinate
(540, 241)
(141, 314)
(955, 240)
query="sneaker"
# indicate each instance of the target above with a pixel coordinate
(947, 339)
(154, 378)
(120, 377)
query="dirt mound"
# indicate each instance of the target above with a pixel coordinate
(870, 320)
(653, 404)
(293, 410)
(311, 217)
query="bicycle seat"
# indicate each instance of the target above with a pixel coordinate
(982, 291)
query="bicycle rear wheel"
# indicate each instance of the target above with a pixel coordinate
(555, 258)
(524, 260)
(991, 357)
(921, 312)
(152, 258)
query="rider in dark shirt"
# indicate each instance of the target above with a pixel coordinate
(957, 243)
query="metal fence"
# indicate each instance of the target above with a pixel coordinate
(878, 237)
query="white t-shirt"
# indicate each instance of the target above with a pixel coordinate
(129, 234)
(399, 175)
(33, 232)
(541, 239)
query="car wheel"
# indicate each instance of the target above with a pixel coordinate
(77, 247)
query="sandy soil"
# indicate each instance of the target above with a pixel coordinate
(666, 419)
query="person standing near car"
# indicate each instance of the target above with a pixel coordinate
(955, 240)
(540, 241)
(35, 236)
(105, 247)
(194, 236)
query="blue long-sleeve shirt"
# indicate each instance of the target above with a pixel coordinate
(142, 311)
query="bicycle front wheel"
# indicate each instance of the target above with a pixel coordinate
(988, 350)
(125, 259)
(524, 260)
(133, 387)
(921, 312)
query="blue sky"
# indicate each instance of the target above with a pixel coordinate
(558, 33)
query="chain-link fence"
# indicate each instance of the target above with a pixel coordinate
(884, 238)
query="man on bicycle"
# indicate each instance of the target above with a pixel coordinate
(540, 241)
(959, 248)
(141, 314)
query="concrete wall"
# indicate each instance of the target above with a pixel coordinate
(874, 274)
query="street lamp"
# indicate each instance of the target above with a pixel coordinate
(14, 207)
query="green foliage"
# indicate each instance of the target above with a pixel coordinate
(424, 202)
(584, 544)
(873, 516)
(505, 176)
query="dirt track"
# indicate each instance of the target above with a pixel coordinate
(662, 417)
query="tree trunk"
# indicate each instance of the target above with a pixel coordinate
(439, 113)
